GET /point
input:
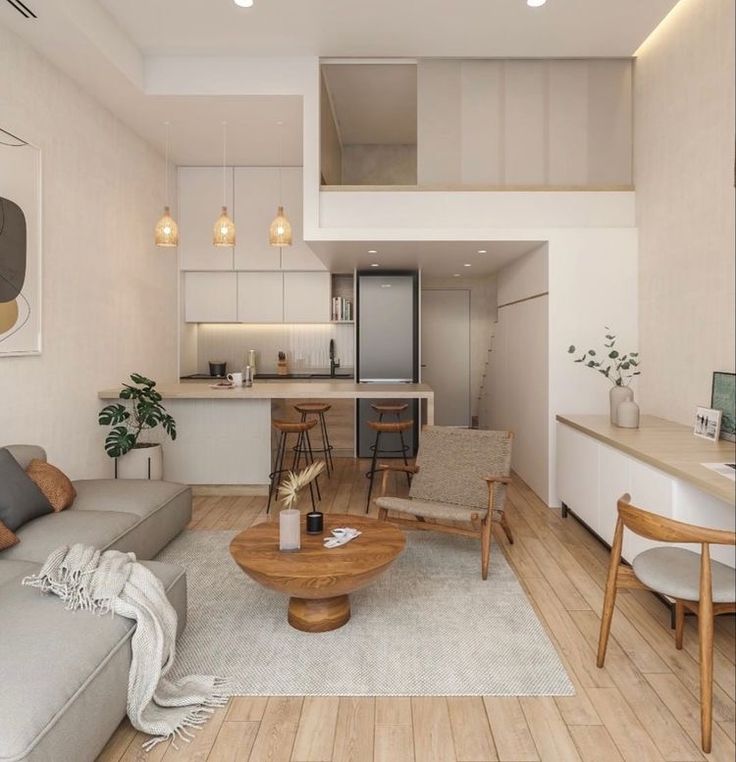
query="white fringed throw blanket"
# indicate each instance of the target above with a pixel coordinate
(114, 582)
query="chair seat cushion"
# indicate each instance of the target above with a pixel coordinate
(675, 572)
(438, 511)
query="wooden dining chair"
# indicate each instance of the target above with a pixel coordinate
(461, 475)
(704, 587)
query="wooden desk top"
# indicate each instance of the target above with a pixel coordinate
(666, 445)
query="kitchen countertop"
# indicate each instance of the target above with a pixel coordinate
(666, 445)
(323, 389)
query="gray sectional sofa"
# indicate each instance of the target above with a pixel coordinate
(64, 675)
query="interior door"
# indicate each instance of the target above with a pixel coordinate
(446, 353)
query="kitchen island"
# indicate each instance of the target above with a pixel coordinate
(224, 435)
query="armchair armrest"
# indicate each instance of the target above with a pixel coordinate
(491, 481)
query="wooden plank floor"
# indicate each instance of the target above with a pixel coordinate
(642, 706)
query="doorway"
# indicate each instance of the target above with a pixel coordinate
(445, 320)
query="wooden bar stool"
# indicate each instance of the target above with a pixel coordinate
(386, 427)
(396, 410)
(319, 409)
(303, 447)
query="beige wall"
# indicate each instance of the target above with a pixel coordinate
(509, 122)
(379, 165)
(109, 295)
(684, 158)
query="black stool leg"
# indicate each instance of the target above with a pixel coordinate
(278, 467)
(404, 449)
(373, 470)
(311, 460)
(326, 445)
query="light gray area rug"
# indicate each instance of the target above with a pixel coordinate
(428, 626)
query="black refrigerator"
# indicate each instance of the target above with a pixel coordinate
(387, 350)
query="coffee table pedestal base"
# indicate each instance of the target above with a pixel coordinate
(319, 615)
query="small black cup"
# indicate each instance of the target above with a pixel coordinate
(315, 522)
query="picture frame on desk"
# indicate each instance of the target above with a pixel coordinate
(707, 423)
(723, 398)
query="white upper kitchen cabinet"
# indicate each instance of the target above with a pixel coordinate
(210, 297)
(256, 200)
(260, 297)
(298, 256)
(200, 202)
(306, 297)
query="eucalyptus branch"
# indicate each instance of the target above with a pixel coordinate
(617, 368)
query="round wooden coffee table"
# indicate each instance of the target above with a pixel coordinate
(317, 579)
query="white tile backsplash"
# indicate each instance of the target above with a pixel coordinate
(306, 346)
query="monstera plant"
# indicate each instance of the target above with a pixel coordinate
(143, 412)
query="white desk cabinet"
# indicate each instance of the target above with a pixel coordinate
(210, 297)
(593, 474)
(260, 297)
(306, 297)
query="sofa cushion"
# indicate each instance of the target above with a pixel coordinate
(63, 669)
(139, 496)
(9, 570)
(162, 510)
(39, 537)
(53, 482)
(24, 454)
(21, 500)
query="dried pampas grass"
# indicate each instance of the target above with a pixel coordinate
(294, 483)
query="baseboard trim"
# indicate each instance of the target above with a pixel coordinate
(222, 490)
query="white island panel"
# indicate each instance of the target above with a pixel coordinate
(218, 442)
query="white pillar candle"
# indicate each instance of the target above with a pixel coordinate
(289, 529)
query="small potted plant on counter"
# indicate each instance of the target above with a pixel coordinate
(620, 370)
(135, 459)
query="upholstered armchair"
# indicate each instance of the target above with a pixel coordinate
(460, 475)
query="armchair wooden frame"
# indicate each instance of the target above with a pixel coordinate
(480, 527)
(620, 576)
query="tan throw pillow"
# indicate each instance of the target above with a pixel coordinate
(54, 484)
(7, 538)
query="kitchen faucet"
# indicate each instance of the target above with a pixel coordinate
(333, 362)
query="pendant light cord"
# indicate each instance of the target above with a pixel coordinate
(166, 166)
(281, 162)
(224, 155)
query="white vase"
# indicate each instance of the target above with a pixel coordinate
(617, 395)
(140, 463)
(290, 521)
(627, 415)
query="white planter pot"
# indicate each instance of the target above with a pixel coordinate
(140, 463)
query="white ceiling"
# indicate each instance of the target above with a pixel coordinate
(254, 137)
(455, 28)
(374, 103)
(436, 259)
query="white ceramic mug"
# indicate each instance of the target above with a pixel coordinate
(236, 379)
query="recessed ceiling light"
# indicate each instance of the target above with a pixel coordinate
(456, 275)
(372, 251)
(249, 3)
(535, 3)
(375, 264)
(467, 265)
(482, 251)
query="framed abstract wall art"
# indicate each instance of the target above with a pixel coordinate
(20, 246)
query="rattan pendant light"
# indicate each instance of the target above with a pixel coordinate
(279, 234)
(223, 233)
(166, 232)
